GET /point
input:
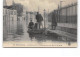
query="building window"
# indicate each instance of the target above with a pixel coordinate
(6, 11)
(3, 18)
(11, 12)
(14, 12)
(12, 18)
(3, 11)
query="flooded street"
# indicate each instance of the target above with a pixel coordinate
(25, 36)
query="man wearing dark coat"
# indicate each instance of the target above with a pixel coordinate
(54, 22)
(31, 25)
(39, 18)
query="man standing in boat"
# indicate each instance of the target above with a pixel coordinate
(31, 25)
(39, 19)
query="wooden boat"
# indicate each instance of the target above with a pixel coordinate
(38, 31)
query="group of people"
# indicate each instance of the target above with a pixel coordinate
(32, 25)
(39, 19)
(37, 25)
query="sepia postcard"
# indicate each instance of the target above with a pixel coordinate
(40, 23)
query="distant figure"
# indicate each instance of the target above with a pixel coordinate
(54, 22)
(31, 25)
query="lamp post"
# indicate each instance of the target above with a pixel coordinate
(38, 8)
(44, 18)
(60, 10)
(61, 4)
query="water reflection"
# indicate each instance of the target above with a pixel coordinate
(42, 37)
(50, 37)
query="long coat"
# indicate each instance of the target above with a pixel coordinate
(39, 18)
(54, 22)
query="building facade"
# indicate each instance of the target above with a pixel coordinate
(9, 21)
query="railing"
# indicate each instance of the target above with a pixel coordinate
(67, 14)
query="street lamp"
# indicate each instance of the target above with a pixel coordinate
(61, 4)
(60, 10)
(44, 18)
(38, 8)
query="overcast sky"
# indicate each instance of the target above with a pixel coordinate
(32, 5)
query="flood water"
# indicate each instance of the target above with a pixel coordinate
(25, 36)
